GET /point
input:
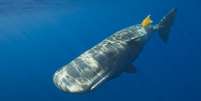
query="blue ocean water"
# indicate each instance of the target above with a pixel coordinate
(39, 36)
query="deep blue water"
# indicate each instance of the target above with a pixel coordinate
(38, 37)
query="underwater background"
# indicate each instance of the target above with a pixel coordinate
(37, 37)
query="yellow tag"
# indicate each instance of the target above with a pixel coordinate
(147, 21)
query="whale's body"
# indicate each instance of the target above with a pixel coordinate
(109, 58)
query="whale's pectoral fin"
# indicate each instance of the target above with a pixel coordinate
(130, 69)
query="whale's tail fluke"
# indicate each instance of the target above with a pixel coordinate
(165, 24)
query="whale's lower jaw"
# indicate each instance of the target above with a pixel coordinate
(62, 82)
(81, 84)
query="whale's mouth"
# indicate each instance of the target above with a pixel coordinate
(67, 83)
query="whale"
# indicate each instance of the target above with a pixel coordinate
(112, 56)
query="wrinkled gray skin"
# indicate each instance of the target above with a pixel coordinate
(104, 61)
